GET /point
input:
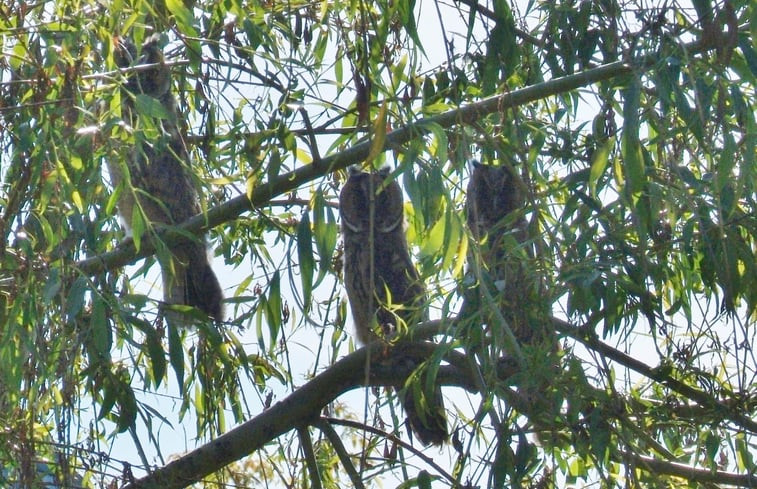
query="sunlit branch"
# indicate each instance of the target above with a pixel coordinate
(701, 397)
(125, 253)
(302, 405)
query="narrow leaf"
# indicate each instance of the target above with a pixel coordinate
(305, 255)
(598, 166)
(379, 134)
(176, 354)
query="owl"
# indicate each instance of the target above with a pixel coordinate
(384, 289)
(494, 192)
(156, 177)
(495, 200)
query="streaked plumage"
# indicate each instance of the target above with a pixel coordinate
(383, 286)
(161, 180)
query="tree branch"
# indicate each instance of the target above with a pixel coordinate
(303, 406)
(324, 425)
(125, 252)
(312, 464)
(300, 408)
(689, 473)
(589, 339)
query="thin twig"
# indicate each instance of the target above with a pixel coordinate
(324, 424)
(307, 447)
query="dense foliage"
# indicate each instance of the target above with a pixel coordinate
(632, 128)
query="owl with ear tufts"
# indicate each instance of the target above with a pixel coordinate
(495, 202)
(156, 179)
(383, 287)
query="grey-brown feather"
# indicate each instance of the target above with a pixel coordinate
(383, 285)
(495, 202)
(161, 181)
(381, 280)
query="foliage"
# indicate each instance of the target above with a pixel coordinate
(632, 129)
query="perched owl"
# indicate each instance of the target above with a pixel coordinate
(383, 286)
(157, 177)
(494, 206)
(495, 200)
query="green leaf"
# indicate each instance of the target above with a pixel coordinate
(501, 49)
(273, 306)
(150, 106)
(108, 400)
(137, 227)
(100, 335)
(378, 134)
(599, 162)
(75, 299)
(503, 462)
(154, 349)
(744, 457)
(127, 404)
(325, 233)
(176, 354)
(712, 444)
(113, 199)
(305, 256)
(183, 16)
(424, 480)
(747, 49)
(407, 18)
(633, 162)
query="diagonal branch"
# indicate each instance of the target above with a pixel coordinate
(590, 340)
(126, 253)
(300, 408)
(324, 425)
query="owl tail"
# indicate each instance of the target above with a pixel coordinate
(427, 419)
(191, 281)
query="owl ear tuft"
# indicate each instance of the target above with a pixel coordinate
(354, 170)
(384, 171)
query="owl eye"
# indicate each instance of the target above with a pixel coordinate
(352, 226)
(391, 226)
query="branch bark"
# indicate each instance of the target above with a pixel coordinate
(301, 408)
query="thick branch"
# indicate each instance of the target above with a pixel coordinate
(302, 407)
(693, 474)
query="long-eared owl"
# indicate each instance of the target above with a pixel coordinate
(384, 289)
(156, 176)
(495, 201)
